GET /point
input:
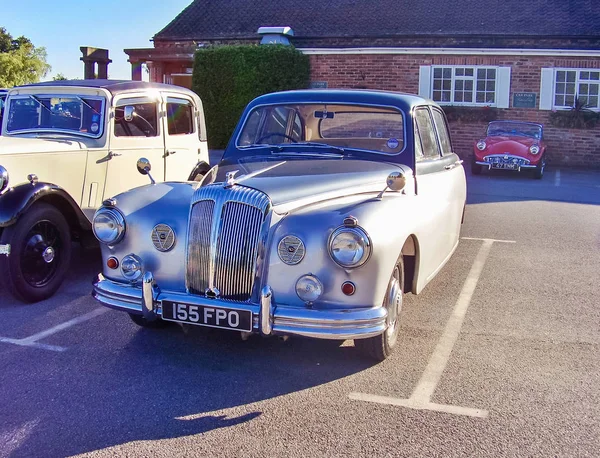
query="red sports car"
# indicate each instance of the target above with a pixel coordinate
(511, 145)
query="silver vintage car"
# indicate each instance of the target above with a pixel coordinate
(327, 206)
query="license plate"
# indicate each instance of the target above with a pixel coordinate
(501, 165)
(204, 315)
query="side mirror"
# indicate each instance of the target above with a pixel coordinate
(143, 166)
(129, 113)
(396, 181)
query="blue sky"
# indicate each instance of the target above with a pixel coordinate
(62, 26)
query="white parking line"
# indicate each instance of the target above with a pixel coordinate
(32, 341)
(421, 396)
(557, 178)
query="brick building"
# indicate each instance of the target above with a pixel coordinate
(523, 59)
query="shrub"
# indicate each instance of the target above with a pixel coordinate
(578, 117)
(470, 114)
(228, 77)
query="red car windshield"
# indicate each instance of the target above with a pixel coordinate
(507, 129)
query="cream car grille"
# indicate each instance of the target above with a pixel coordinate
(226, 225)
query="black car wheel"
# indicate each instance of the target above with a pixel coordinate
(475, 168)
(382, 346)
(539, 170)
(40, 253)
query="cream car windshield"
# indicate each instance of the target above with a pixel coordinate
(503, 129)
(336, 127)
(79, 114)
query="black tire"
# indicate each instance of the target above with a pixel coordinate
(40, 253)
(539, 170)
(475, 168)
(382, 346)
(144, 323)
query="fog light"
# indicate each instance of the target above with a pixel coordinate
(309, 288)
(131, 267)
(112, 263)
(348, 288)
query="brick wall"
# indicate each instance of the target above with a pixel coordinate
(400, 72)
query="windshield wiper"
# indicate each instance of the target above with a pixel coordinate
(87, 104)
(33, 97)
(339, 149)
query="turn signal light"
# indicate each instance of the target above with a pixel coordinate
(112, 263)
(348, 288)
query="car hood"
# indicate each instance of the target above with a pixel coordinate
(509, 145)
(17, 145)
(290, 182)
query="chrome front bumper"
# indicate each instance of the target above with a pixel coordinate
(507, 158)
(269, 318)
(524, 166)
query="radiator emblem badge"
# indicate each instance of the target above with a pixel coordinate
(163, 237)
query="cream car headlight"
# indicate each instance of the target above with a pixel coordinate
(3, 178)
(131, 267)
(108, 225)
(349, 246)
(534, 149)
(481, 145)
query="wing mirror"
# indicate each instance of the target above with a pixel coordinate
(396, 181)
(129, 113)
(144, 167)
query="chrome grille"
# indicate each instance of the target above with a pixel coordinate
(224, 240)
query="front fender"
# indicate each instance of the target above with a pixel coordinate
(16, 200)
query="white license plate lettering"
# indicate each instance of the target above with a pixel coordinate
(233, 319)
(208, 316)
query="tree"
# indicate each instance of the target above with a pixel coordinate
(20, 61)
(59, 77)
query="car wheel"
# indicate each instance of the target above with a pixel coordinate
(144, 323)
(382, 346)
(539, 170)
(475, 168)
(40, 244)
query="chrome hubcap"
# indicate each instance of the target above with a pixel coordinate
(394, 302)
(48, 255)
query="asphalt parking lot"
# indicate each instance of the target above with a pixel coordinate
(498, 356)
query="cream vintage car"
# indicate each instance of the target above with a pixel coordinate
(328, 206)
(66, 146)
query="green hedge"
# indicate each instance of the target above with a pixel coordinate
(228, 77)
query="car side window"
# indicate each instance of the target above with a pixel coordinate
(144, 122)
(180, 116)
(424, 131)
(442, 131)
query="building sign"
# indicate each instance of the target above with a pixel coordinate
(318, 84)
(524, 99)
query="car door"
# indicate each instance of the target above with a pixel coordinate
(139, 134)
(182, 140)
(434, 190)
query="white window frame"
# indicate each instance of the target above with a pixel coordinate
(548, 87)
(502, 84)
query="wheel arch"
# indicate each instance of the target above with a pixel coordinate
(411, 254)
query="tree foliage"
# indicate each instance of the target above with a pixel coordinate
(20, 61)
(228, 77)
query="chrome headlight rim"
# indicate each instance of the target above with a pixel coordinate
(367, 246)
(119, 221)
(481, 145)
(3, 179)
(534, 149)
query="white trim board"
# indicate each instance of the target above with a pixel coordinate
(456, 51)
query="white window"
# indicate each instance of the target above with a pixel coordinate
(465, 85)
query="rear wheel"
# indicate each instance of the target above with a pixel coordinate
(40, 253)
(144, 323)
(382, 346)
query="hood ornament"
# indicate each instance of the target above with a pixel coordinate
(230, 179)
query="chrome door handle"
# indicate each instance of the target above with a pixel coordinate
(449, 167)
(111, 154)
(168, 153)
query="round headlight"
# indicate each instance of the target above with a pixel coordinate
(534, 149)
(481, 145)
(349, 246)
(309, 288)
(3, 178)
(131, 267)
(108, 225)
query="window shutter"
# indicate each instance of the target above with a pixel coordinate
(425, 81)
(546, 89)
(503, 87)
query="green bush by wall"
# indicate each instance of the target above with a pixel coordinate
(228, 77)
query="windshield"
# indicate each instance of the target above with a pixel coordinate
(336, 127)
(83, 115)
(503, 129)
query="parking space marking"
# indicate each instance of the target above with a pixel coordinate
(557, 178)
(421, 396)
(32, 341)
